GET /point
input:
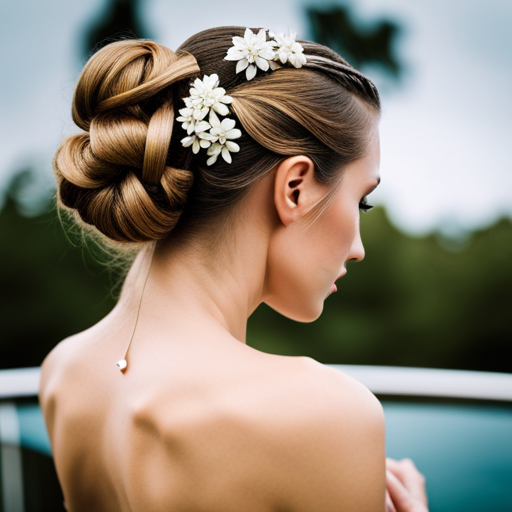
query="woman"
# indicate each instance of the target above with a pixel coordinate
(240, 189)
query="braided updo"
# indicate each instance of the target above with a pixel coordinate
(117, 174)
(128, 175)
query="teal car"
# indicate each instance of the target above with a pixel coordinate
(455, 425)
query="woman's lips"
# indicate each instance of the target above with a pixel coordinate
(334, 287)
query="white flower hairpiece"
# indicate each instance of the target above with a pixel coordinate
(289, 50)
(206, 97)
(253, 51)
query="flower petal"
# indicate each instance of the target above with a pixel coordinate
(261, 38)
(232, 146)
(214, 120)
(266, 54)
(239, 42)
(218, 93)
(241, 65)
(234, 56)
(221, 109)
(211, 160)
(200, 113)
(247, 35)
(250, 72)
(207, 136)
(226, 99)
(195, 146)
(187, 141)
(226, 155)
(228, 124)
(215, 80)
(262, 63)
(233, 134)
(202, 126)
(204, 143)
(296, 48)
(214, 149)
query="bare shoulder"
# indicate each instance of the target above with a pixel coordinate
(337, 387)
(325, 392)
(57, 366)
(337, 442)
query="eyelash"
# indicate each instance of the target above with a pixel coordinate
(364, 206)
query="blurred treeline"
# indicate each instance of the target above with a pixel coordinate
(411, 302)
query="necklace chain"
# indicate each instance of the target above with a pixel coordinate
(122, 364)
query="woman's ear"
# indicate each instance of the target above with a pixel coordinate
(296, 189)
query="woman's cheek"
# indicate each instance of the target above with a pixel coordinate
(338, 233)
(297, 279)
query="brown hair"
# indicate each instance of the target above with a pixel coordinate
(128, 173)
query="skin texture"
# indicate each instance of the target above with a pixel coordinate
(199, 421)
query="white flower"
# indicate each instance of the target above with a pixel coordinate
(200, 139)
(214, 135)
(252, 51)
(223, 133)
(289, 50)
(206, 94)
(188, 119)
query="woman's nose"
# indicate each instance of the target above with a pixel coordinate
(357, 249)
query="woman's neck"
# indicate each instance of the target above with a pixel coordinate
(188, 284)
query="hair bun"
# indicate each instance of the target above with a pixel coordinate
(116, 175)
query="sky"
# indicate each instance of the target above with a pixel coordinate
(446, 151)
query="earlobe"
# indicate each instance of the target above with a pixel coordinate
(294, 188)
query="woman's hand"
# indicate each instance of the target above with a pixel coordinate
(405, 487)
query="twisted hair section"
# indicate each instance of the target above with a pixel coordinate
(118, 174)
(128, 174)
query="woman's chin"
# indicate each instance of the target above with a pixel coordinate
(304, 313)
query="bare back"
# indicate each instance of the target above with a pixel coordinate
(229, 429)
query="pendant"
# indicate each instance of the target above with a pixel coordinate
(122, 364)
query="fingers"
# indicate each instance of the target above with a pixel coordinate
(409, 476)
(402, 499)
(389, 503)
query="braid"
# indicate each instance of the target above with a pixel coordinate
(116, 175)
